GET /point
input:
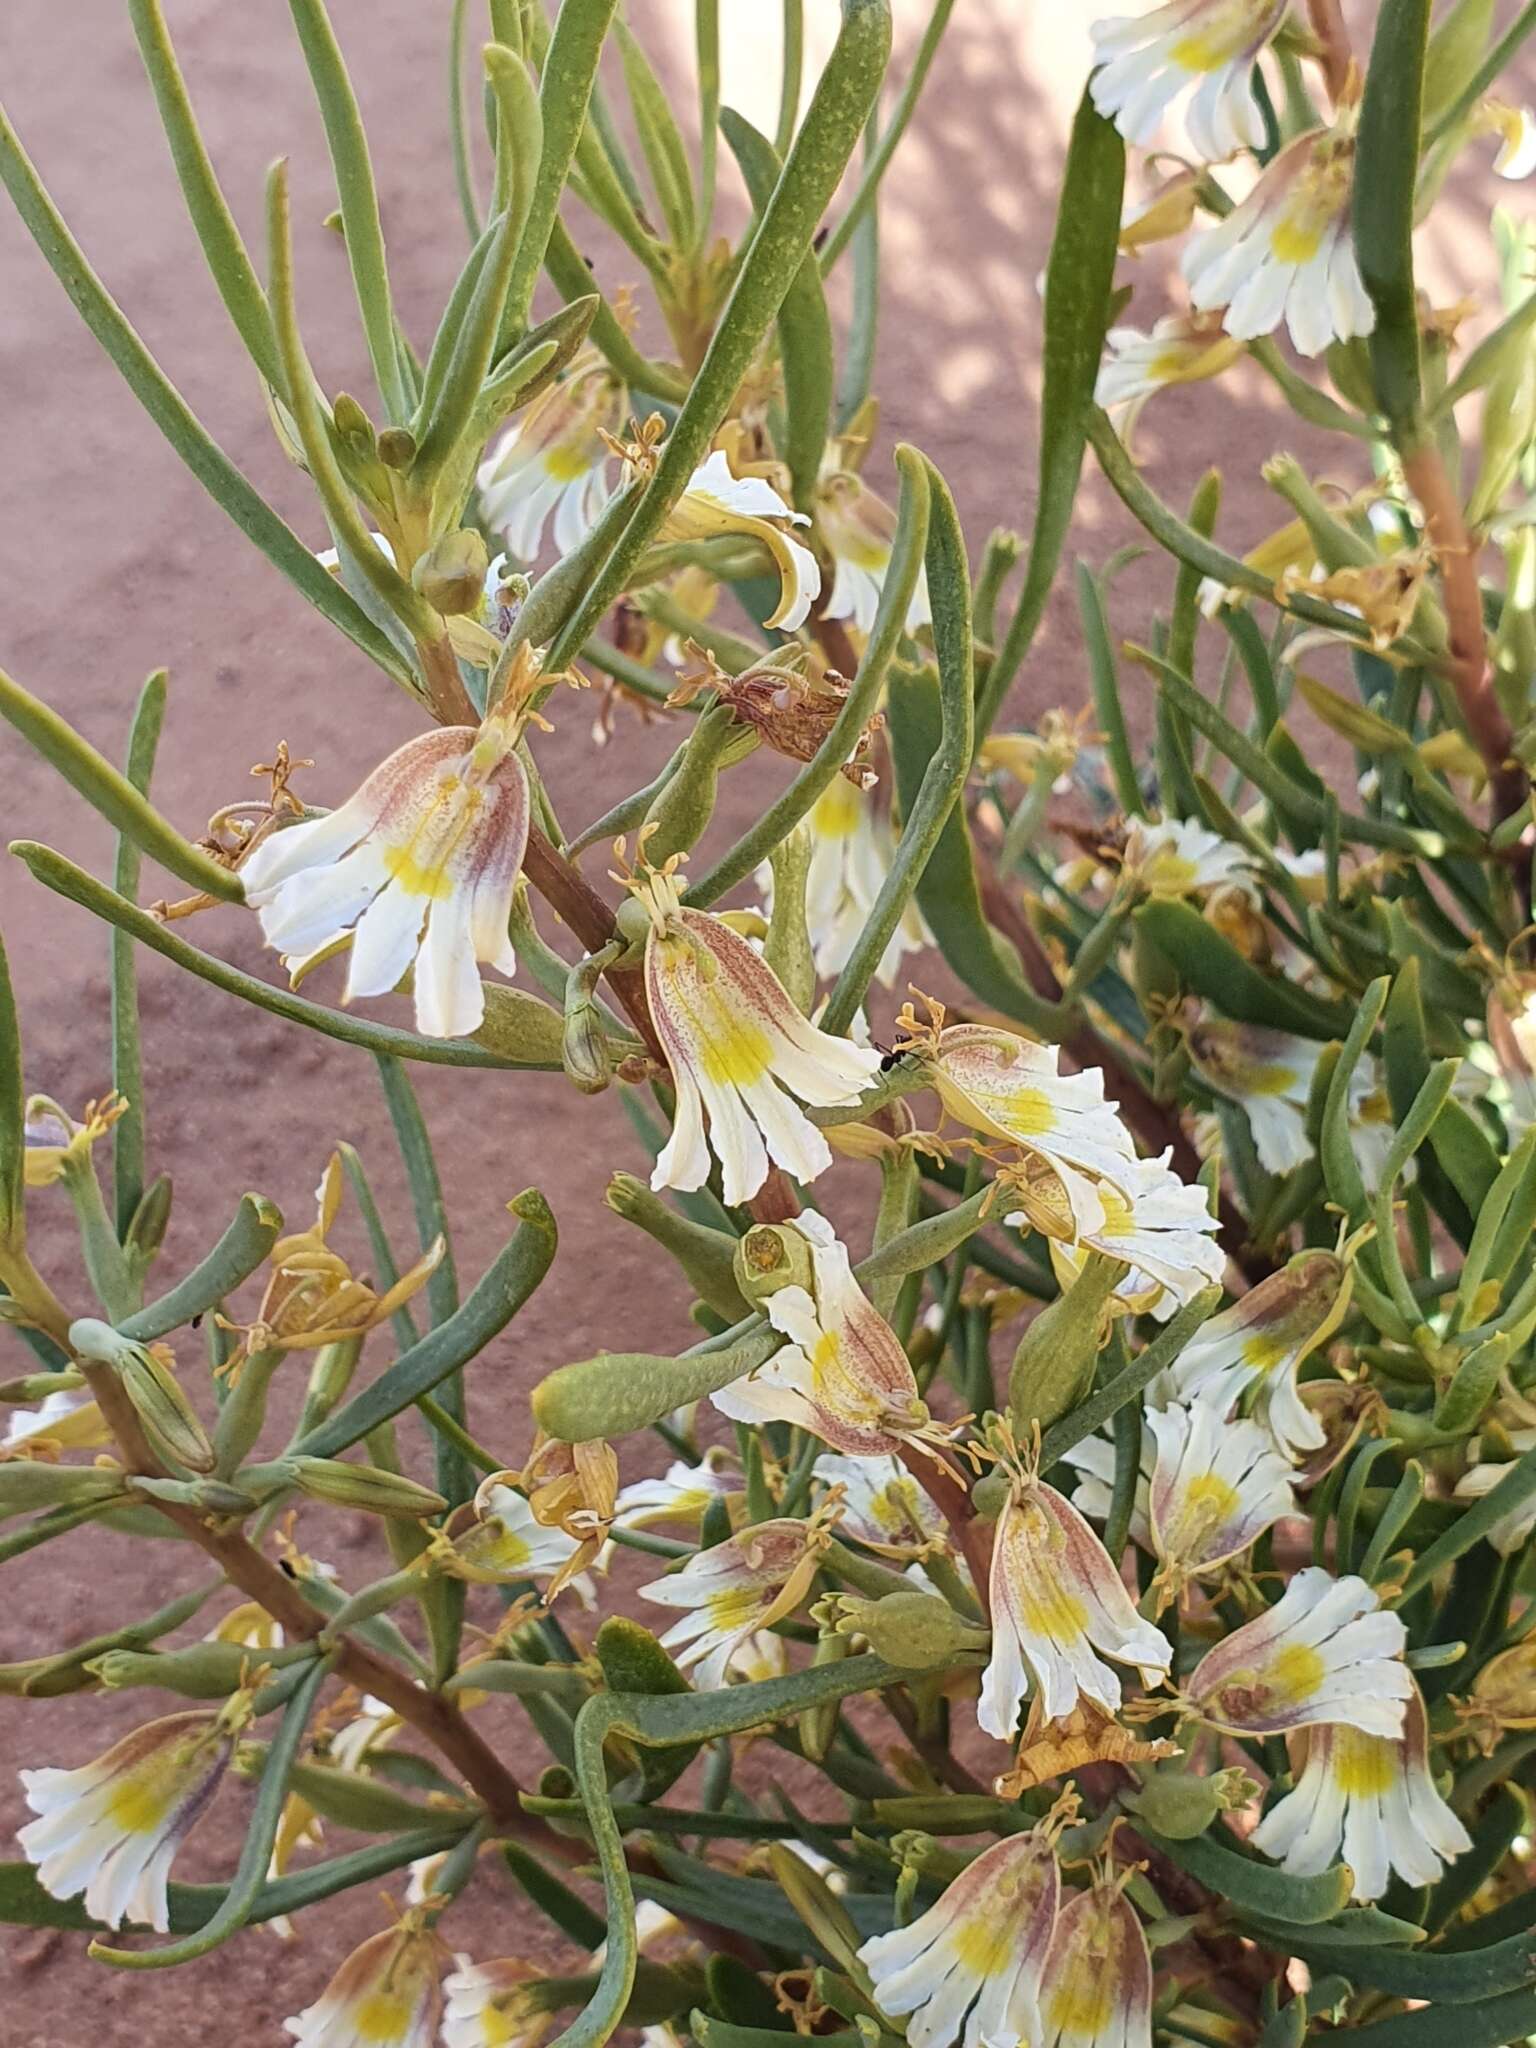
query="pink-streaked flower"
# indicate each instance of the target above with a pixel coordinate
(852, 846)
(1159, 1225)
(1268, 1073)
(843, 1374)
(1097, 1982)
(1207, 48)
(718, 503)
(111, 1829)
(418, 867)
(554, 460)
(1011, 1088)
(738, 1048)
(1215, 1487)
(680, 1494)
(1286, 253)
(1326, 1651)
(1258, 1345)
(385, 1995)
(1058, 1610)
(731, 1591)
(859, 529)
(494, 2005)
(1175, 858)
(968, 1970)
(1182, 348)
(1373, 1796)
(883, 1505)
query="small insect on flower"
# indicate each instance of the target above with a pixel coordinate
(1058, 1610)
(843, 1374)
(740, 1586)
(884, 1508)
(493, 2005)
(1373, 1795)
(1287, 253)
(417, 868)
(1182, 348)
(718, 503)
(1097, 1983)
(554, 459)
(1159, 1225)
(1327, 1651)
(968, 1970)
(111, 1829)
(1011, 1088)
(1260, 1343)
(1216, 1486)
(1147, 61)
(735, 1044)
(859, 530)
(385, 1995)
(1268, 1073)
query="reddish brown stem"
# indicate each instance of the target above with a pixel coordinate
(1327, 18)
(953, 1502)
(1470, 672)
(573, 898)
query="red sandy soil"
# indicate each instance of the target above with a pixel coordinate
(112, 562)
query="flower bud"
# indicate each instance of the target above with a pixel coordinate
(1054, 1363)
(1176, 1803)
(146, 1230)
(169, 1419)
(364, 1486)
(350, 421)
(27, 1483)
(914, 1631)
(451, 574)
(772, 1256)
(584, 1046)
(397, 447)
(201, 1671)
(989, 1496)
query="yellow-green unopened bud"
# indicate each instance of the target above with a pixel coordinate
(914, 1631)
(169, 1419)
(772, 1256)
(816, 1903)
(451, 574)
(584, 1048)
(620, 1391)
(37, 1386)
(201, 1671)
(1053, 1366)
(989, 1496)
(1177, 1803)
(364, 1486)
(685, 806)
(350, 421)
(397, 447)
(26, 1484)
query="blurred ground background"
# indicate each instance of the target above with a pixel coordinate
(112, 562)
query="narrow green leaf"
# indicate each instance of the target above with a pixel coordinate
(1485, 74)
(939, 792)
(827, 137)
(575, 1919)
(858, 371)
(497, 1296)
(1079, 278)
(245, 1244)
(1108, 711)
(127, 1064)
(228, 262)
(170, 413)
(569, 274)
(1212, 967)
(1105, 1401)
(513, 1018)
(706, 42)
(862, 206)
(1252, 1886)
(463, 171)
(13, 1144)
(361, 226)
(1511, 1493)
(805, 326)
(112, 793)
(661, 144)
(1381, 211)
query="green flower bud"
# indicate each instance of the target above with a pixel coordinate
(26, 1484)
(397, 448)
(364, 1486)
(772, 1256)
(350, 421)
(169, 1420)
(1177, 1803)
(818, 1906)
(201, 1671)
(1473, 1385)
(679, 815)
(620, 1391)
(706, 1256)
(209, 1496)
(914, 1631)
(584, 1047)
(1053, 1366)
(451, 574)
(146, 1231)
(989, 1496)
(787, 948)
(37, 1386)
